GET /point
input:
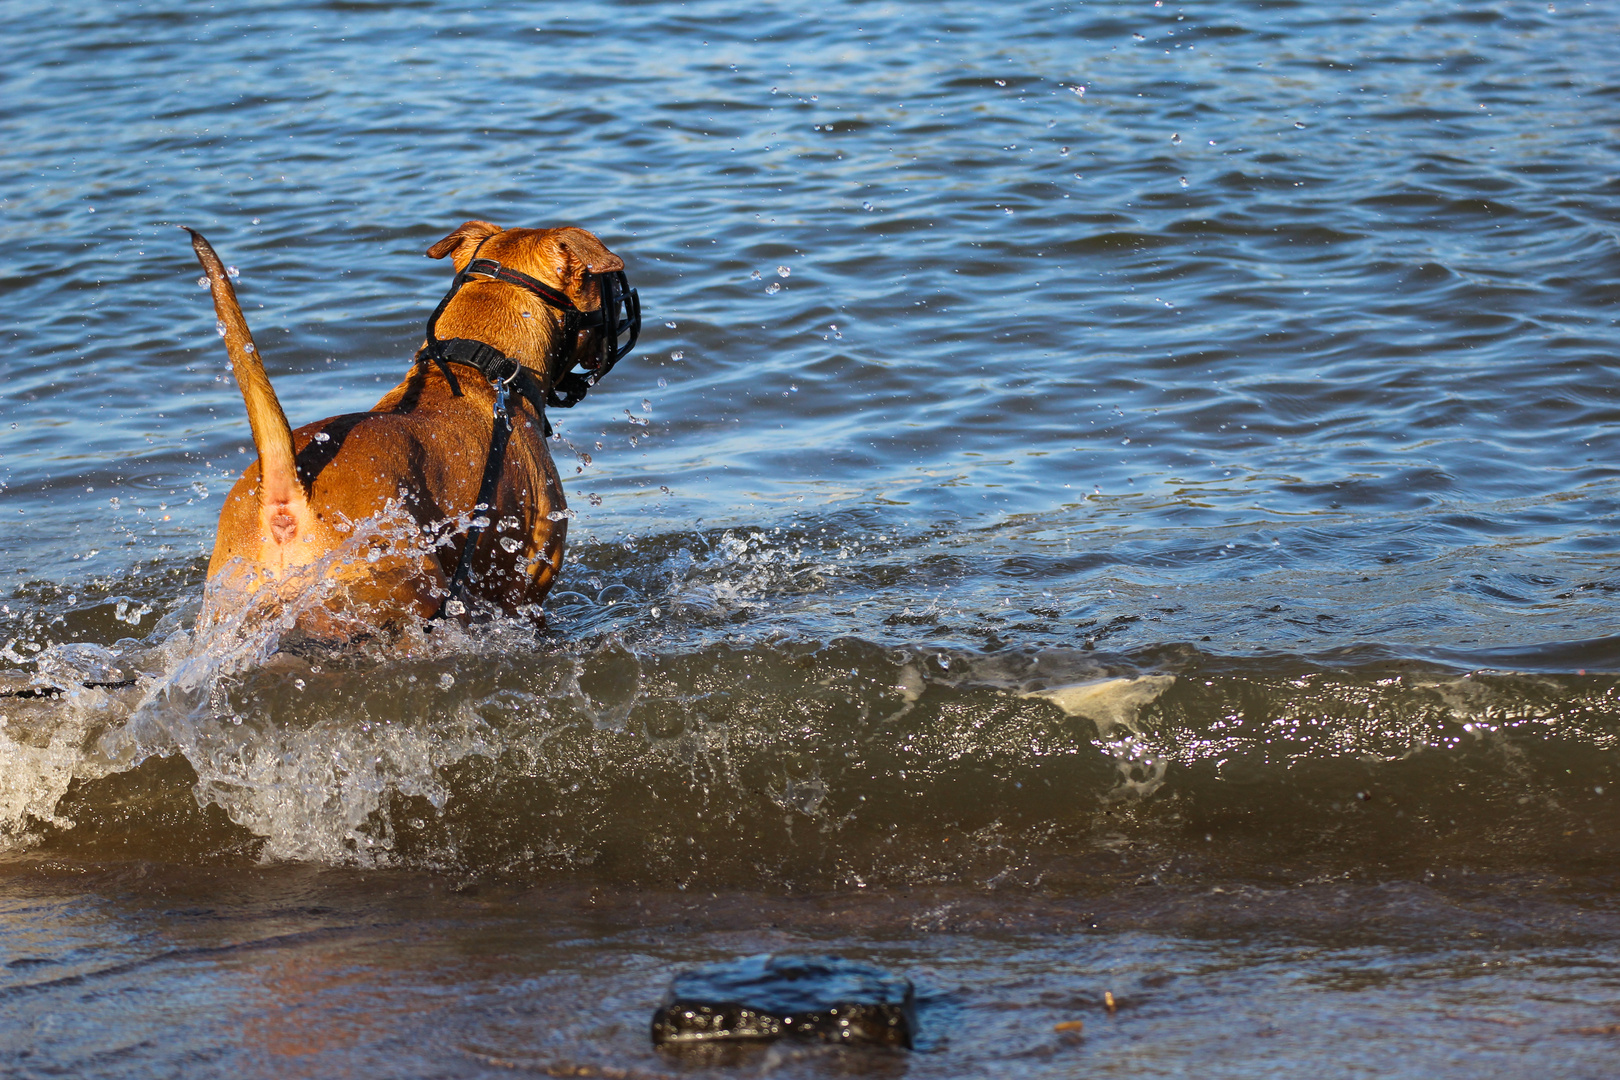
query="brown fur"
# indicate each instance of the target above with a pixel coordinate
(416, 458)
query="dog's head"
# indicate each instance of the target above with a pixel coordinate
(521, 323)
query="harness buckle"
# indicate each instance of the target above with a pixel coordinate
(500, 401)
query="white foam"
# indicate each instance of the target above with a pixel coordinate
(1115, 706)
(315, 789)
(1108, 703)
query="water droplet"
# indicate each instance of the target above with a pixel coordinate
(867, 206)
(1001, 82)
(374, 554)
(1079, 90)
(1063, 151)
(662, 383)
(656, 613)
(321, 436)
(646, 405)
(219, 327)
(784, 271)
(202, 282)
(298, 683)
(678, 354)
(1183, 181)
(792, 389)
(665, 489)
(509, 544)
(562, 515)
(773, 288)
(1299, 124)
(528, 315)
(1175, 139)
(754, 276)
(594, 499)
(1138, 37)
(232, 272)
(455, 607)
(446, 681)
(669, 325)
(249, 349)
(255, 221)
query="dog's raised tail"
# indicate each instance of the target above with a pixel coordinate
(281, 495)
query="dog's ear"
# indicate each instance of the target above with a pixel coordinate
(581, 253)
(468, 236)
(582, 247)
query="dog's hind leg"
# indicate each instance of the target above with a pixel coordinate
(281, 495)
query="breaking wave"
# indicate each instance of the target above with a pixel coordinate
(664, 728)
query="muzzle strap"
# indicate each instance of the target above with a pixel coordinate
(493, 269)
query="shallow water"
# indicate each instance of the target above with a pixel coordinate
(1109, 498)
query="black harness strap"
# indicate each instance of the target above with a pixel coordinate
(500, 434)
(484, 506)
(566, 388)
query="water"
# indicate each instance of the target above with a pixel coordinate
(1110, 499)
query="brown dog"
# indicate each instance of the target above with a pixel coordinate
(373, 511)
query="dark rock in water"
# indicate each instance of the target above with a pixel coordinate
(760, 998)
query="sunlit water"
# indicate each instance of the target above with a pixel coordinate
(1110, 498)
